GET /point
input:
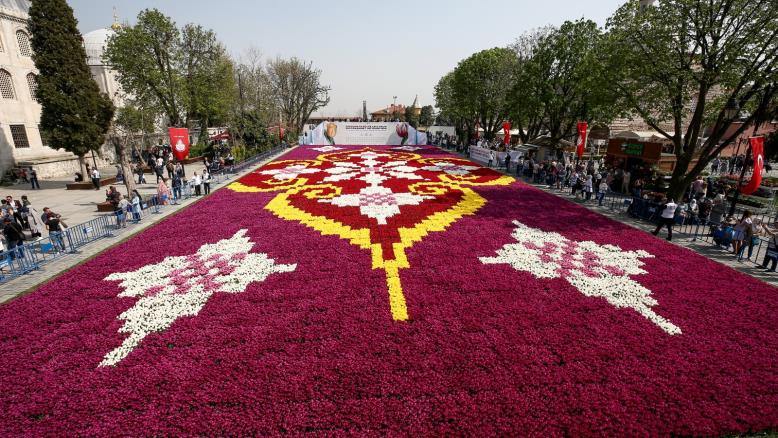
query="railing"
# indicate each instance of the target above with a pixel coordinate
(687, 225)
(32, 254)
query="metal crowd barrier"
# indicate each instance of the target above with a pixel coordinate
(32, 254)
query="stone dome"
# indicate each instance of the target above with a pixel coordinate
(95, 43)
(19, 6)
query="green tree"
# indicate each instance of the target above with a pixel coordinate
(186, 72)
(677, 65)
(452, 111)
(427, 116)
(526, 97)
(208, 78)
(559, 80)
(255, 107)
(133, 120)
(147, 58)
(75, 115)
(480, 86)
(411, 117)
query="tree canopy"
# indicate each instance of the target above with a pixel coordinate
(677, 65)
(297, 90)
(185, 71)
(75, 114)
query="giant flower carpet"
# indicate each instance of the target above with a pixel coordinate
(390, 290)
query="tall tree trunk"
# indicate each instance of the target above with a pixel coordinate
(680, 180)
(124, 162)
(82, 167)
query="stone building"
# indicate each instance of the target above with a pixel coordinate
(21, 141)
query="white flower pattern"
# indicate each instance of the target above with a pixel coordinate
(289, 172)
(595, 270)
(180, 286)
(451, 168)
(327, 149)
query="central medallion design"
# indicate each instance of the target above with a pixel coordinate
(383, 201)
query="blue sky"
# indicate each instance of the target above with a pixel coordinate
(367, 50)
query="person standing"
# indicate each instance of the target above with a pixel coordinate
(95, 178)
(36, 224)
(123, 209)
(177, 183)
(140, 172)
(602, 191)
(772, 252)
(14, 237)
(744, 231)
(197, 182)
(667, 218)
(163, 192)
(206, 181)
(55, 226)
(159, 165)
(507, 162)
(588, 187)
(170, 169)
(136, 206)
(34, 179)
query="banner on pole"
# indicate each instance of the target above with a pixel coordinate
(757, 151)
(583, 127)
(506, 128)
(179, 141)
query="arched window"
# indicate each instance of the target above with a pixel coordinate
(32, 82)
(6, 85)
(24, 43)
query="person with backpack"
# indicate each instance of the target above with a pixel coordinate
(667, 218)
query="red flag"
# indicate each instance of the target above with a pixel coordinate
(506, 128)
(179, 141)
(757, 151)
(582, 128)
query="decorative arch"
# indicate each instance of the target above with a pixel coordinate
(32, 83)
(24, 43)
(6, 85)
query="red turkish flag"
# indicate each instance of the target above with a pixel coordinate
(583, 127)
(506, 128)
(757, 151)
(179, 141)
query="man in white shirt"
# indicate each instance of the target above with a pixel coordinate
(667, 218)
(96, 178)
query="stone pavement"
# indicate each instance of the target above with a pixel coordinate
(80, 206)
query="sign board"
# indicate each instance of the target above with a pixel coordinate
(633, 149)
(480, 154)
(363, 133)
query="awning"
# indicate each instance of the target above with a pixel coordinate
(223, 136)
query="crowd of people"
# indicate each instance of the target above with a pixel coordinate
(705, 203)
(21, 222)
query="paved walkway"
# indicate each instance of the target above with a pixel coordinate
(80, 206)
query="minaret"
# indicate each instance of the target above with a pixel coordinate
(416, 108)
